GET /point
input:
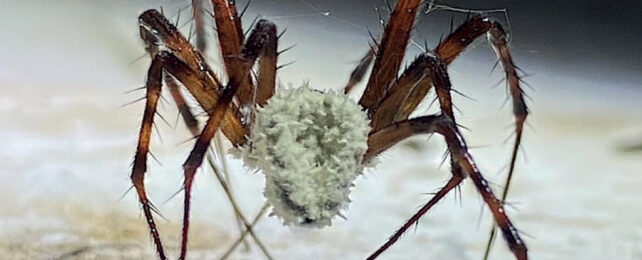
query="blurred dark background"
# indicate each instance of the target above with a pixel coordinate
(589, 38)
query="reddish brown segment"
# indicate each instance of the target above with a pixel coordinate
(263, 33)
(391, 52)
(230, 37)
(381, 140)
(266, 83)
(405, 95)
(140, 159)
(155, 26)
(462, 162)
(416, 74)
(447, 50)
(442, 125)
(190, 69)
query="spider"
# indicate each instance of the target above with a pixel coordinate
(312, 145)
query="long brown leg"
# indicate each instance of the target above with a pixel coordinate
(230, 38)
(462, 161)
(398, 109)
(498, 40)
(443, 86)
(415, 75)
(387, 137)
(264, 32)
(154, 80)
(190, 68)
(391, 52)
(266, 83)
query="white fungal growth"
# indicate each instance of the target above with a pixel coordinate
(310, 146)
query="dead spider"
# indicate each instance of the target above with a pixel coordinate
(312, 145)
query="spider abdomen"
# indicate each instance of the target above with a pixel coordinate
(310, 146)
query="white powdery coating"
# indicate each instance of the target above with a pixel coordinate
(310, 146)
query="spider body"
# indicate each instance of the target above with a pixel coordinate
(311, 145)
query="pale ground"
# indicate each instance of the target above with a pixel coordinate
(67, 147)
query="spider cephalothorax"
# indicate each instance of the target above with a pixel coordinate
(312, 145)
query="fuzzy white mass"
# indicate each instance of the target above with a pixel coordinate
(310, 146)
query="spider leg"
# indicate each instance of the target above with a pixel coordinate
(498, 40)
(188, 66)
(183, 108)
(462, 162)
(452, 183)
(264, 32)
(391, 52)
(441, 124)
(230, 37)
(266, 79)
(415, 76)
(447, 50)
(140, 160)
(360, 71)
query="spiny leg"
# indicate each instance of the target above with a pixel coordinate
(198, 78)
(462, 163)
(184, 110)
(441, 124)
(463, 160)
(264, 32)
(230, 37)
(391, 52)
(447, 50)
(266, 79)
(140, 160)
(175, 67)
(390, 111)
(414, 76)
(498, 39)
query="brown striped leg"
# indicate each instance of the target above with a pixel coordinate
(461, 160)
(447, 50)
(175, 67)
(264, 32)
(498, 39)
(391, 52)
(415, 76)
(409, 90)
(230, 37)
(266, 79)
(190, 69)
(154, 79)
(387, 137)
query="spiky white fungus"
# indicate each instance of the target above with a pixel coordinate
(310, 146)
